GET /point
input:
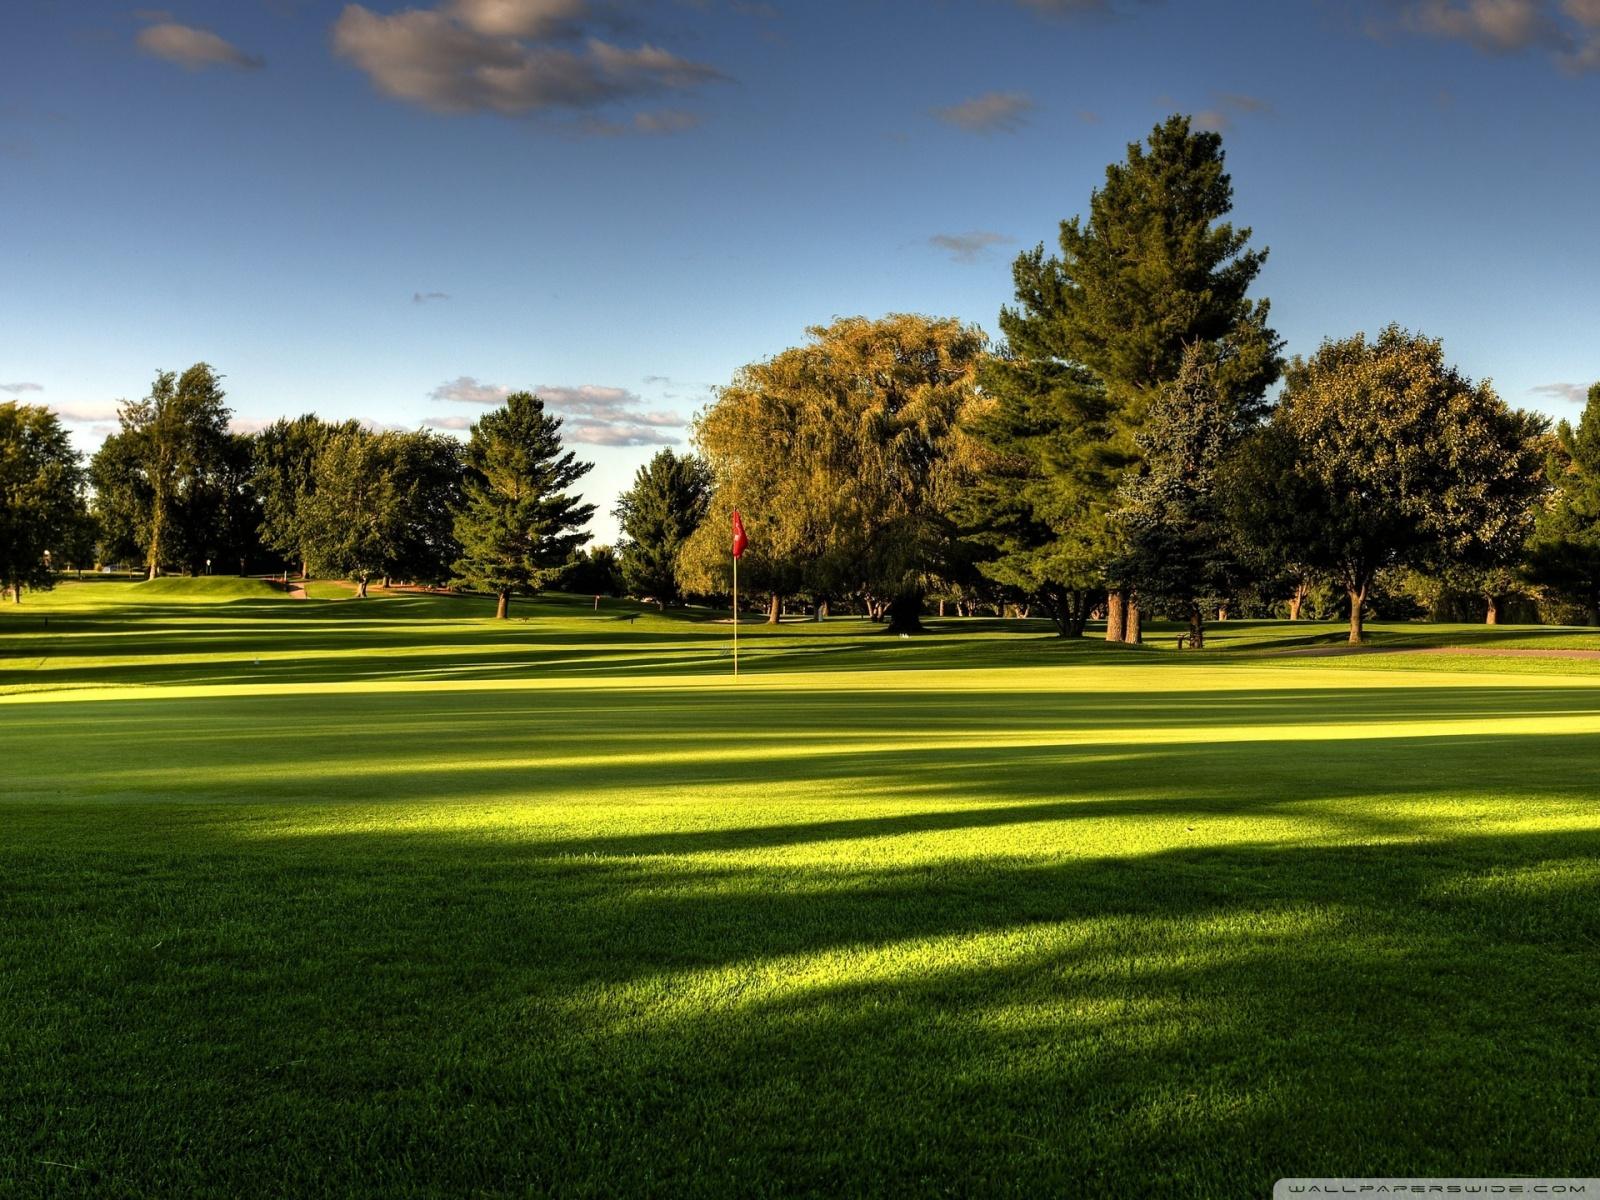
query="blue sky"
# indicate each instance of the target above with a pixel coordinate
(395, 213)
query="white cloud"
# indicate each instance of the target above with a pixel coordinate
(85, 414)
(193, 48)
(469, 391)
(16, 389)
(428, 297)
(1574, 393)
(591, 414)
(247, 424)
(990, 113)
(1226, 108)
(968, 247)
(453, 424)
(514, 57)
(1568, 30)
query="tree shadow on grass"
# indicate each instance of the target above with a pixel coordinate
(385, 1015)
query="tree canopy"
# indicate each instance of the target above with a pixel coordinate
(1380, 455)
(845, 458)
(41, 496)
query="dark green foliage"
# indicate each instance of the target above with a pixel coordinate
(1038, 504)
(1565, 553)
(520, 525)
(664, 506)
(284, 477)
(380, 505)
(1177, 546)
(41, 497)
(1381, 455)
(594, 571)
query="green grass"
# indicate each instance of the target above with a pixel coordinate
(331, 897)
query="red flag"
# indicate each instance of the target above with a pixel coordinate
(739, 539)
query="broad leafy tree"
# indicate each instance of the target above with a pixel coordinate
(520, 523)
(1154, 269)
(1381, 455)
(154, 479)
(845, 458)
(381, 505)
(284, 477)
(41, 496)
(657, 514)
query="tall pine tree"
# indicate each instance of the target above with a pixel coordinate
(519, 526)
(1154, 270)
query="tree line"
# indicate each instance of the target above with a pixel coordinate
(1116, 453)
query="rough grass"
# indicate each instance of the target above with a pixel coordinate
(386, 898)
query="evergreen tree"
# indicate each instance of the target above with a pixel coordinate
(1176, 542)
(1565, 551)
(519, 526)
(1153, 270)
(41, 496)
(657, 514)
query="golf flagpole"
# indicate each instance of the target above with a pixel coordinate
(739, 543)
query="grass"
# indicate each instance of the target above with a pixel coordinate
(387, 898)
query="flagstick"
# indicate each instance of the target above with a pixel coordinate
(735, 614)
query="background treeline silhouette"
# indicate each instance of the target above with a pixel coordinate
(1116, 453)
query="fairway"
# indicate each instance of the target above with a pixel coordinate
(384, 897)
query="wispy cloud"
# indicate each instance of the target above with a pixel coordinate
(968, 247)
(515, 57)
(1574, 393)
(193, 48)
(16, 389)
(453, 424)
(1226, 108)
(428, 297)
(248, 424)
(1568, 30)
(85, 414)
(591, 414)
(992, 112)
(468, 390)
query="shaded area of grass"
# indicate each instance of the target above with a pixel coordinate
(1080, 917)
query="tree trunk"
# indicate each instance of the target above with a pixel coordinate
(16, 593)
(1296, 601)
(941, 607)
(361, 588)
(1116, 615)
(1133, 634)
(905, 613)
(774, 609)
(1358, 600)
(502, 605)
(304, 573)
(1197, 629)
(1493, 615)
(1222, 613)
